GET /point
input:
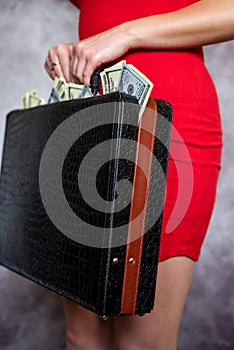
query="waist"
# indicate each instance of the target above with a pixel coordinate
(170, 70)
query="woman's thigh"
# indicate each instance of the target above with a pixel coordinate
(159, 329)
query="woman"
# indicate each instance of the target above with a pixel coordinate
(163, 39)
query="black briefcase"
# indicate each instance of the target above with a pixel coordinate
(81, 199)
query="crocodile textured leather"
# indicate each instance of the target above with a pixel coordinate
(31, 243)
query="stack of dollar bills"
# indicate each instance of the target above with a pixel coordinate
(31, 99)
(121, 77)
(127, 78)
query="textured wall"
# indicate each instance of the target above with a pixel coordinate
(31, 317)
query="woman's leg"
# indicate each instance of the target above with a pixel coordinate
(85, 330)
(159, 329)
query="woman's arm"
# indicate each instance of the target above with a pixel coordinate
(204, 22)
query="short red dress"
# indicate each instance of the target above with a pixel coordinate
(181, 78)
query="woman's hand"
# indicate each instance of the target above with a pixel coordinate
(202, 23)
(58, 61)
(91, 53)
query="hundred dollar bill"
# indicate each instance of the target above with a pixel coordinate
(147, 93)
(105, 84)
(74, 90)
(112, 75)
(70, 91)
(25, 100)
(34, 101)
(133, 82)
(31, 99)
(60, 85)
(86, 92)
(54, 96)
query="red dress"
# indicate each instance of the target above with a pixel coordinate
(180, 78)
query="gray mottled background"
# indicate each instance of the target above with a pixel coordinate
(32, 317)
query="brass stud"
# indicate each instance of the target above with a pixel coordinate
(115, 260)
(131, 260)
(104, 317)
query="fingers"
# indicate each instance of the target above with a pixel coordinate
(84, 62)
(78, 61)
(66, 67)
(57, 62)
(64, 53)
(47, 67)
(78, 65)
(52, 67)
(75, 62)
(73, 69)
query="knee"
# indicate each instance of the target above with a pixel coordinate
(77, 342)
(139, 343)
(73, 342)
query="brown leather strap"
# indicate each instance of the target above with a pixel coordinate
(140, 191)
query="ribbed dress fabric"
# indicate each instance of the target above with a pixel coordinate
(181, 78)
